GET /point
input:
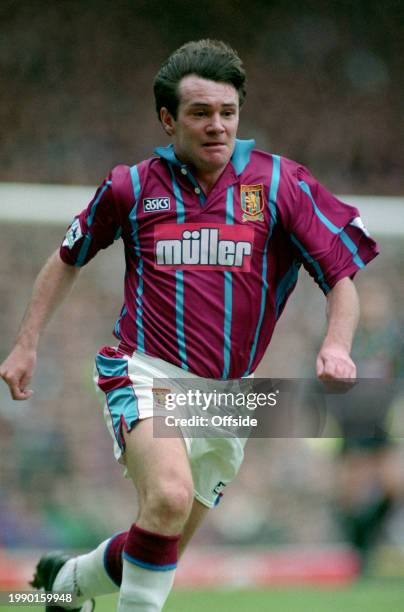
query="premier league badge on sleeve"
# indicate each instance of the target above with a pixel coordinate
(252, 202)
(73, 234)
(357, 222)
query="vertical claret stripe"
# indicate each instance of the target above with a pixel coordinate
(228, 292)
(87, 238)
(350, 245)
(179, 281)
(273, 194)
(139, 270)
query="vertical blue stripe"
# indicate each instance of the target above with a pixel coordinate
(179, 281)
(228, 293)
(179, 317)
(273, 190)
(178, 198)
(117, 328)
(139, 270)
(273, 194)
(339, 231)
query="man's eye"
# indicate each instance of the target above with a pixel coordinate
(199, 113)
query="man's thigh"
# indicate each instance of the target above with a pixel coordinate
(155, 463)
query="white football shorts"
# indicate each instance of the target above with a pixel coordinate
(126, 383)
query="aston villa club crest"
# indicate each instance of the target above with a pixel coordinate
(252, 202)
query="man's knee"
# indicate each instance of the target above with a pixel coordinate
(168, 504)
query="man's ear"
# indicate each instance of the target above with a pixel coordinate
(167, 121)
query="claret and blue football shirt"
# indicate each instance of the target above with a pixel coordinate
(207, 277)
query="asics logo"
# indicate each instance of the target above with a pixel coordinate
(155, 204)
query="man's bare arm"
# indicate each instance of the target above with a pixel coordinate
(333, 360)
(51, 286)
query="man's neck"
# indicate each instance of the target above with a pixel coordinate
(208, 180)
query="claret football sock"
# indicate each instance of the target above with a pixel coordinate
(113, 557)
(87, 575)
(149, 563)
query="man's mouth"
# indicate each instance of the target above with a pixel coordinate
(213, 145)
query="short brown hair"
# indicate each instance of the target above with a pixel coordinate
(209, 59)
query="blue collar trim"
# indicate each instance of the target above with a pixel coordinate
(241, 154)
(168, 154)
(240, 158)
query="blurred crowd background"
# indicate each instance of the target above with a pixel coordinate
(324, 83)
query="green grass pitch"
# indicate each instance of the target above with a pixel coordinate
(372, 596)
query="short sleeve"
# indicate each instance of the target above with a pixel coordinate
(95, 228)
(329, 235)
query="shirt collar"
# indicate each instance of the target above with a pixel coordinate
(169, 155)
(240, 158)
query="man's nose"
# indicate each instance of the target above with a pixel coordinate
(216, 123)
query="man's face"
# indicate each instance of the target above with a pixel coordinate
(207, 120)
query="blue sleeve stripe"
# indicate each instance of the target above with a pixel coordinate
(179, 281)
(134, 174)
(351, 246)
(339, 231)
(273, 195)
(97, 200)
(228, 293)
(139, 269)
(313, 262)
(81, 257)
(285, 285)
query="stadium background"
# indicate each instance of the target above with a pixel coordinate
(324, 84)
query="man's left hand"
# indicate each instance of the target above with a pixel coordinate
(334, 363)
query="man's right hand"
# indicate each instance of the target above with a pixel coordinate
(51, 287)
(17, 371)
